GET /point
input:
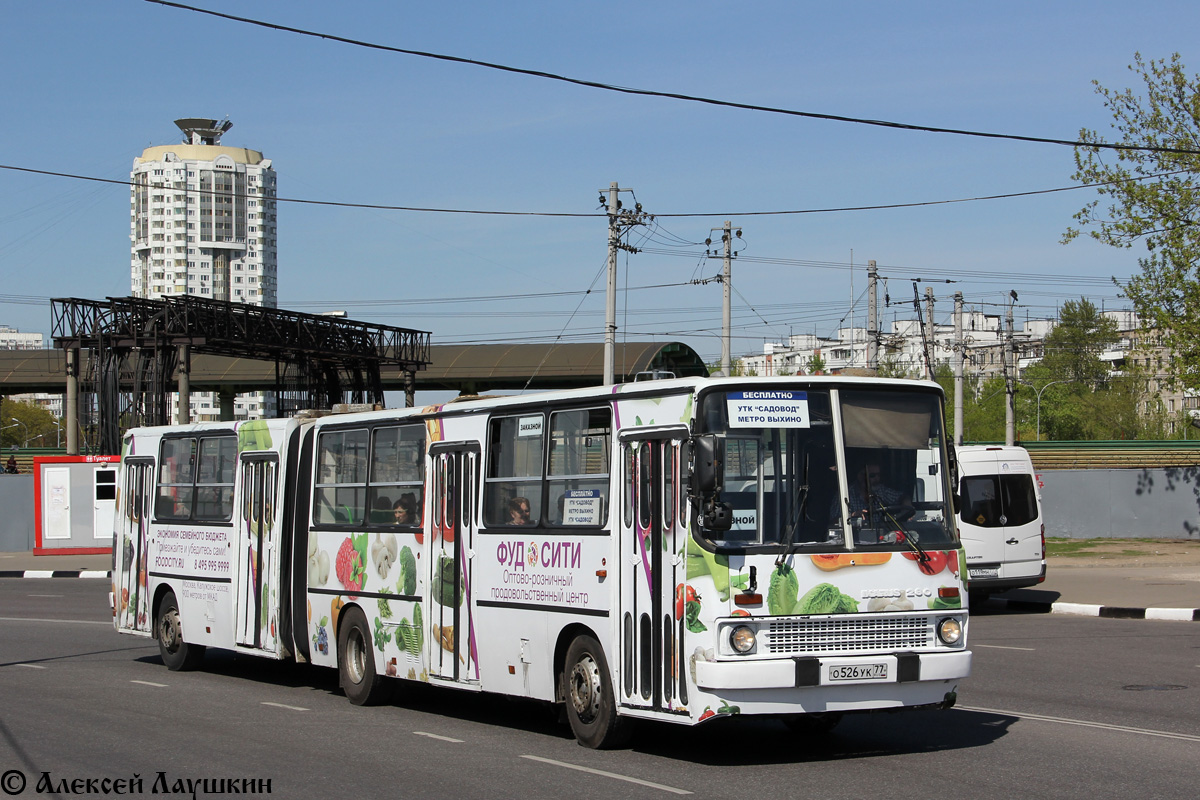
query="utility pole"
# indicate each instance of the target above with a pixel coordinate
(1010, 377)
(727, 287)
(610, 304)
(960, 355)
(924, 331)
(872, 316)
(727, 284)
(619, 223)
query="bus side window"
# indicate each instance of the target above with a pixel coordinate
(514, 468)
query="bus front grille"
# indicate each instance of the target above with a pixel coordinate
(849, 635)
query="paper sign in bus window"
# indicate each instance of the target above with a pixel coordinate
(772, 408)
(530, 426)
(581, 507)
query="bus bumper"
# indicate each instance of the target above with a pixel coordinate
(788, 673)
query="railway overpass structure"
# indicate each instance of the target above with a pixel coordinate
(200, 354)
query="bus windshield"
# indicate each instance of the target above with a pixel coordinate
(781, 481)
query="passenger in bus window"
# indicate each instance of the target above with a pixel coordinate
(519, 511)
(405, 510)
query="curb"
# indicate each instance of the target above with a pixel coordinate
(1089, 610)
(55, 573)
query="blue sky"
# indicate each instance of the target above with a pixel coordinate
(91, 83)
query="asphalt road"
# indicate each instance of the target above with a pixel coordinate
(1058, 707)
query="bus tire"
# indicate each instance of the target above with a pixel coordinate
(178, 655)
(591, 706)
(356, 660)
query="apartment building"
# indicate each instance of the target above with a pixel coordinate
(202, 222)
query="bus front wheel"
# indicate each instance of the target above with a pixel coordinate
(356, 660)
(177, 654)
(591, 707)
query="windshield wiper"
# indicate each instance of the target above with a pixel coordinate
(799, 501)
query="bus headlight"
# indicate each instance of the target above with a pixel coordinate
(949, 630)
(741, 639)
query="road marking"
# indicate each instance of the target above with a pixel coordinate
(281, 705)
(45, 595)
(602, 773)
(436, 736)
(151, 683)
(71, 621)
(1084, 723)
(1003, 647)
(29, 666)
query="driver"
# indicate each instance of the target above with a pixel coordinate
(869, 495)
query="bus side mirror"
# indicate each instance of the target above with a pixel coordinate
(708, 479)
(708, 474)
(955, 497)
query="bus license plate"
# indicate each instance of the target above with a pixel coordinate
(984, 572)
(858, 672)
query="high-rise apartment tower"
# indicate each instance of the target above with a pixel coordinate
(202, 222)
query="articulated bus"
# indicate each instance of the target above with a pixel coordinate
(672, 550)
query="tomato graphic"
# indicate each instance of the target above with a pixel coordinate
(935, 561)
(684, 594)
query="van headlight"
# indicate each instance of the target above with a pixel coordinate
(742, 639)
(949, 630)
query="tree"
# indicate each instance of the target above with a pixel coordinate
(815, 365)
(26, 424)
(1072, 349)
(1153, 197)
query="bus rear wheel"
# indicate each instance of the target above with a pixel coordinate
(591, 706)
(363, 685)
(178, 655)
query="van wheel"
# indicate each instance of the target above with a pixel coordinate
(356, 660)
(178, 655)
(591, 706)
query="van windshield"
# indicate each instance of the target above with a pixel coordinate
(997, 501)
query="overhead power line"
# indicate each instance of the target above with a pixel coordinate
(674, 95)
(603, 215)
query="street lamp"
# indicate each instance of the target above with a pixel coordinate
(1039, 404)
(26, 427)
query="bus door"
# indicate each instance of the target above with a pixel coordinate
(450, 633)
(257, 595)
(652, 536)
(130, 546)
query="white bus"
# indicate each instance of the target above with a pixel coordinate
(673, 550)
